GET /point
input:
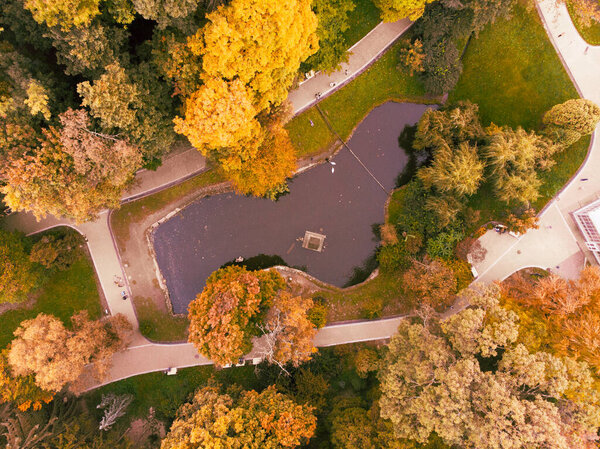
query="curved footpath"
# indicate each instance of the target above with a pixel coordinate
(554, 243)
(557, 244)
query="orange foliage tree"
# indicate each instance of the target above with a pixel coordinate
(21, 390)
(224, 317)
(288, 331)
(244, 419)
(432, 284)
(563, 313)
(57, 356)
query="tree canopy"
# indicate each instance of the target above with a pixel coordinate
(469, 381)
(268, 420)
(17, 274)
(57, 356)
(224, 316)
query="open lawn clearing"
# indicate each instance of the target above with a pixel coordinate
(63, 293)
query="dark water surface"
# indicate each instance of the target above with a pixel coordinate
(342, 205)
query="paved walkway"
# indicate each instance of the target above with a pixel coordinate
(362, 54)
(179, 165)
(557, 244)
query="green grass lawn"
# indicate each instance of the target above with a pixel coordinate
(349, 105)
(167, 393)
(62, 294)
(513, 73)
(590, 34)
(363, 19)
(158, 326)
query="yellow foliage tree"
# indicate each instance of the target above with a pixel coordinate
(66, 13)
(251, 51)
(392, 10)
(220, 118)
(260, 42)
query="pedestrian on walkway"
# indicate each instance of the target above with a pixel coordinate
(561, 34)
(586, 50)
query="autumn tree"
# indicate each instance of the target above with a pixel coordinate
(88, 50)
(58, 252)
(73, 171)
(268, 420)
(432, 284)
(20, 390)
(274, 38)
(412, 56)
(392, 10)
(57, 356)
(333, 21)
(354, 425)
(522, 222)
(513, 157)
(467, 380)
(224, 316)
(239, 94)
(63, 13)
(265, 173)
(221, 115)
(17, 274)
(567, 312)
(288, 332)
(132, 104)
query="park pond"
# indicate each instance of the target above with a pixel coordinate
(343, 205)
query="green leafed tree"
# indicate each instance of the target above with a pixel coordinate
(467, 381)
(17, 274)
(87, 50)
(266, 420)
(134, 104)
(332, 22)
(568, 121)
(165, 12)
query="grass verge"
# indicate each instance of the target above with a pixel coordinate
(590, 34)
(156, 324)
(349, 105)
(62, 294)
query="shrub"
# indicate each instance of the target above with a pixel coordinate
(372, 308)
(317, 315)
(56, 252)
(442, 246)
(393, 257)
